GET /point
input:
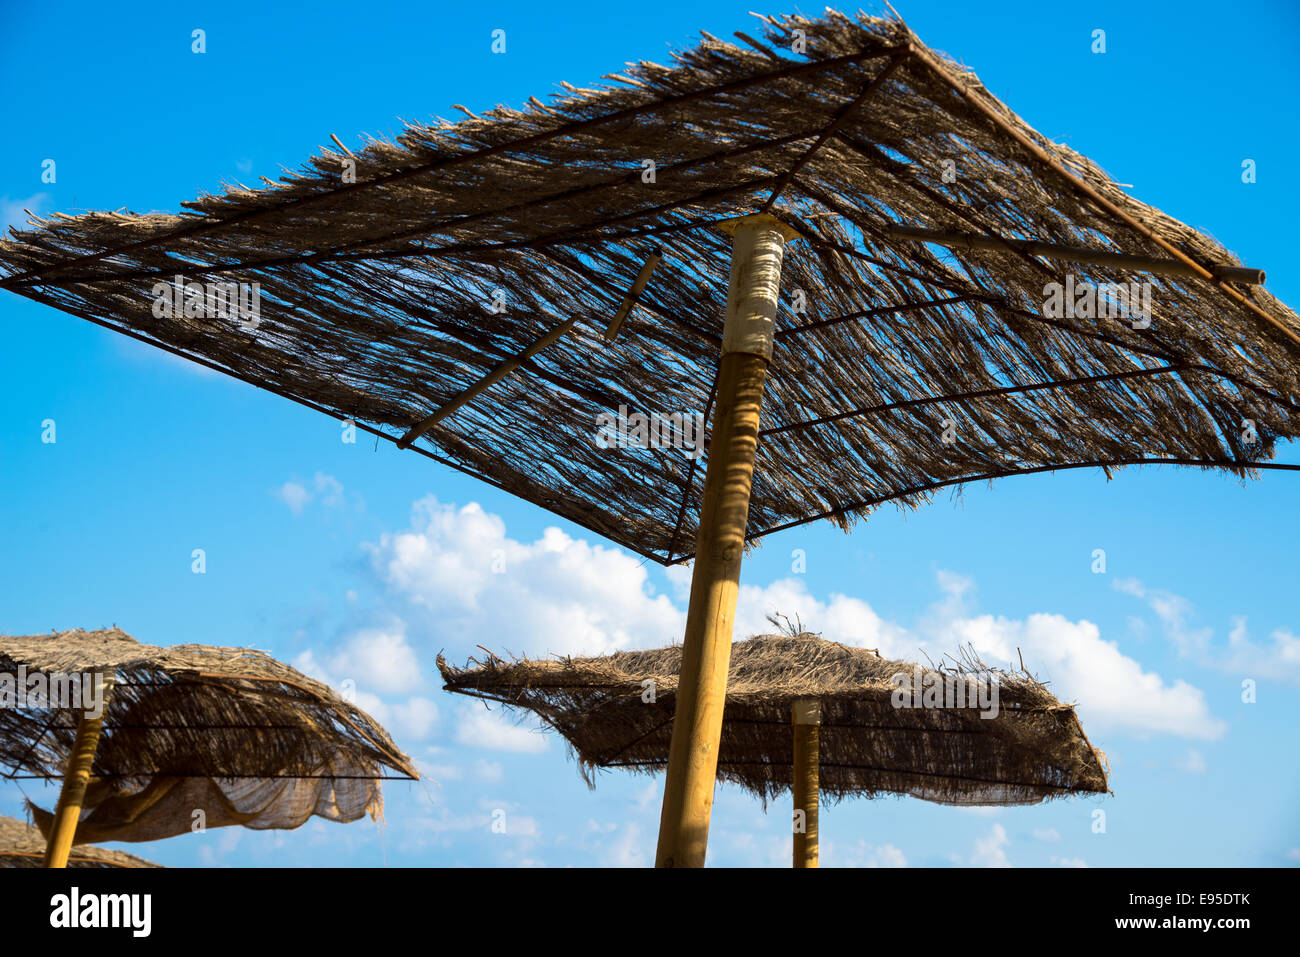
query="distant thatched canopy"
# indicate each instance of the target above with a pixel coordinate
(229, 731)
(1032, 750)
(22, 845)
(380, 273)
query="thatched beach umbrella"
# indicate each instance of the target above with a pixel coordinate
(814, 717)
(151, 742)
(751, 228)
(22, 845)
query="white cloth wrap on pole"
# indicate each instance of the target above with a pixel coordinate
(758, 246)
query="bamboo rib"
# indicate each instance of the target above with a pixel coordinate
(1093, 194)
(1164, 267)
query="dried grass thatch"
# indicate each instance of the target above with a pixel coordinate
(229, 731)
(375, 294)
(22, 845)
(1033, 750)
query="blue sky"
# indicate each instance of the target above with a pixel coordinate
(361, 563)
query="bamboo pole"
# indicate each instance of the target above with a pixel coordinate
(758, 244)
(67, 813)
(806, 719)
(1096, 257)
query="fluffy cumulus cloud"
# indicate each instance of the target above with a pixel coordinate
(379, 671)
(455, 579)
(377, 660)
(555, 595)
(847, 620)
(1113, 690)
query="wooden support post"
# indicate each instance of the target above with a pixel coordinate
(758, 244)
(76, 776)
(806, 719)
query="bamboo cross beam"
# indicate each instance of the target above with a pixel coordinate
(502, 370)
(630, 300)
(1151, 264)
(507, 366)
(840, 118)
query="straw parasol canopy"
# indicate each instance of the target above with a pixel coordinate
(22, 845)
(229, 732)
(928, 222)
(1033, 750)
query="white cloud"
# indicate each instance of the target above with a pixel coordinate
(458, 570)
(1048, 835)
(630, 849)
(293, 495)
(1069, 862)
(1278, 658)
(415, 718)
(375, 660)
(991, 850)
(370, 664)
(326, 489)
(329, 489)
(850, 621)
(1113, 690)
(861, 854)
(556, 595)
(480, 728)
(441, 772)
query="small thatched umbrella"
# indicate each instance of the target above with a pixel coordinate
(188, 737)
(22, 845)
(850, 735)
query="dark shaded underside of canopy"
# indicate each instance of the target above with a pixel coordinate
(1033, 750)
(229, 731)
(375, 297)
